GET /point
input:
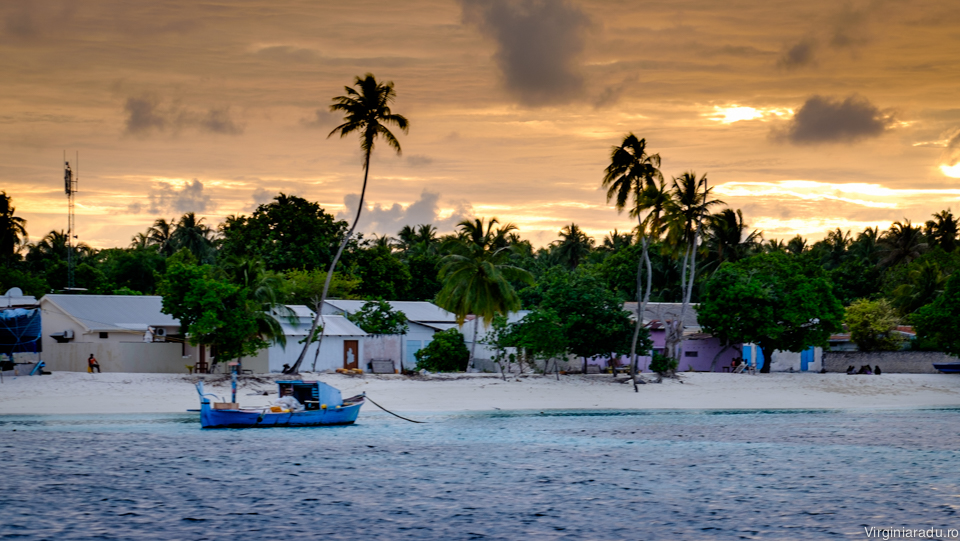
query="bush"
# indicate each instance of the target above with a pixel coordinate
(872, 325)
(662, 364)
(446, 353)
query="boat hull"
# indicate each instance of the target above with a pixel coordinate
(211, 418)
(948, 368)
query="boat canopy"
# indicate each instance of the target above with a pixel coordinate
(315, 392)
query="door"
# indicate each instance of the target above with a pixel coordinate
(351, 354)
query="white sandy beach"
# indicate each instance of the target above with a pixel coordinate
(81, 393)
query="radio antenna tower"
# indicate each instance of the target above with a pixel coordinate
(71, 180)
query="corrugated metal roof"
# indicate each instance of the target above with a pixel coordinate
(666, 311)
(419, 311)
(114, 312)
(333, 326)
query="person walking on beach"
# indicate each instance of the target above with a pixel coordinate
(93, 364)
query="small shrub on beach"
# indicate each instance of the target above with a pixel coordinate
(662, 364)
(446, 353)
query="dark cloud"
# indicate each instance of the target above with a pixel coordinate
(286, 53)
(611, 94)
(539, 44)
(419, 160)
(799, 55)
(849, 28)
(143, 115)
(388, 220)
(261, 196)
(165, 198)
(218, 120)
(147, 114)
(321, 119)
(825, 120)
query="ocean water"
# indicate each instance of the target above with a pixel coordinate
(501, 475)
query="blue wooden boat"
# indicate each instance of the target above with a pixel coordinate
(322, 405)
(948, 368)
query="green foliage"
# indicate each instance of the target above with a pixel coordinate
(662, 364)
(446, 353)
(541, 333)
(382, 275)
(501, 337)
(377, 317)
(871, 325)
(303, 286)
(424, 284)
(938, 323)
(126, 291)
(594, 321)
(855, 279)
(773, 301)
(133, 269)
(13, 275)
(212, 311)
(288, 233)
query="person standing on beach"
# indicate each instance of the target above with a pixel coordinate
(93, 364)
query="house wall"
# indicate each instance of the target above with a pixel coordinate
(810, 360)
(136, 357)
(418, 336)
(892, 362)
(382, 346)
(331, 354)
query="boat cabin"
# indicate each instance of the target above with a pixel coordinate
(313, 395)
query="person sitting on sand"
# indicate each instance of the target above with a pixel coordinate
(288, 401)
(92, 364)
(877, 370)
(850, 369)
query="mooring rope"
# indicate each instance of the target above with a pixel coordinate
(392, 413)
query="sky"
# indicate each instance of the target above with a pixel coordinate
(808, 116)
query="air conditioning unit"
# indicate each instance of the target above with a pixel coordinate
(159, 331)
(68, 334)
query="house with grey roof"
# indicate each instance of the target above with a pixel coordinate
(425, 319)
(343, 344)
(125, 333)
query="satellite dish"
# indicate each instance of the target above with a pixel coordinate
(14, 292)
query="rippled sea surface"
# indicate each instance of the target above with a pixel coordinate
(502, 475)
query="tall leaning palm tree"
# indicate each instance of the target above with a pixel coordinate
(690, 206)
(366, 110)
(476, 274)
(634, 174)
(13, 229)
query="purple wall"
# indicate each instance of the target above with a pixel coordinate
(697, 354)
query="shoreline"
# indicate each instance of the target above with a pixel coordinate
(111, 393)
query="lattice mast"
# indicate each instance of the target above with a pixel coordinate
(71, 180)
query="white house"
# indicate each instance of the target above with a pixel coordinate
(425, 319)
(126, 333)
(342, 345)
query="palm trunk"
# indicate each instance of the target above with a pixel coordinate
(473, 346)
(646, 296)
(326, 284)
(641, 302)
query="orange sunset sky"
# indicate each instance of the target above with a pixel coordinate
(805, 115)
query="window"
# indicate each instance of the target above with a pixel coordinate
(691, 353)
(104, 335)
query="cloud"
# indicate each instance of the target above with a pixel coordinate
(388, 220)
(801, 54)
(951, 154)
(611, 95)
(419, 160)
(143, 115)
(539, 44)
(147, 114)
(166, 198)
(826, 120)
(286, 53)
(849, 28)
(218, 120)
(321, 119)
(261, 196)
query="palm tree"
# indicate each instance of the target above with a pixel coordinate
(631, 173)
(797, 245)
(924, 284)
(13, 229)
(616, 241)
(902, 243)
(139, 241)
(689, 208)
(263, 291)
(942, 230)
(832, 250)
(476, 274)
(366, 112)
(160, 233)
(775, 246)
(727, 237)
(866, 247)
(574, 245)
(194, 235)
